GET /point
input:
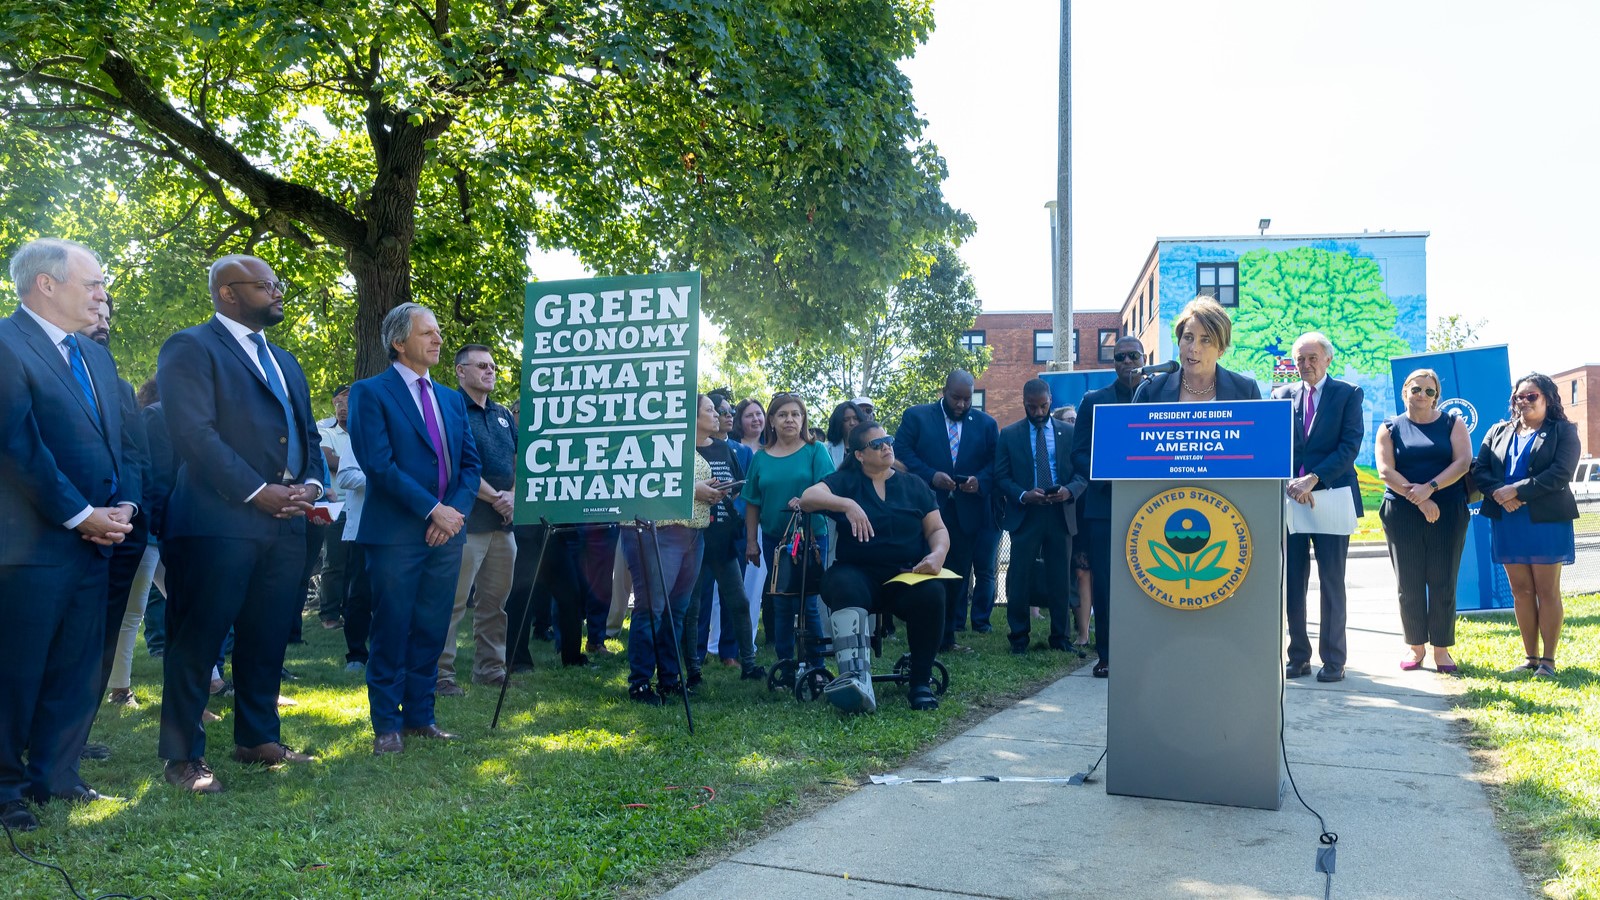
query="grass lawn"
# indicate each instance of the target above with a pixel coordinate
(1540, 744)
(543, 807)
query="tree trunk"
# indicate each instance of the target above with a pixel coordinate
(383, 281)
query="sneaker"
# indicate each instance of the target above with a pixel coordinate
(673, 690)
(643, 693)
(332, 624)
(449, 689)
(754, 673)
(355, 667)
(922, 698)
(124, 698)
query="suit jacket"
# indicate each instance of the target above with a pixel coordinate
(230, 433)
(56, 455)
(1013, 473)
(1230, 386)
(1337, 430)
(1547, 490)
(389, 437)
(1096, 501)
(133, 424)
(922, 444)
(162, 470)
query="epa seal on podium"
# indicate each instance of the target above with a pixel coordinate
(1188, 548)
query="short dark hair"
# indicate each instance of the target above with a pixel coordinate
(856, 441)
(836, 433)
(461, 355)
(1036, 387)
(737, 431)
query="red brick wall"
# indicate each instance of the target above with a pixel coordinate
(1581, 411)
(1009, 336)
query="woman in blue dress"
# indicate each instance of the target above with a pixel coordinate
(1524, 468)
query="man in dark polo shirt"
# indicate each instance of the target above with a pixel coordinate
(491, 551)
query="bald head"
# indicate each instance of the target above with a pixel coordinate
(246, 290)
(957, 397)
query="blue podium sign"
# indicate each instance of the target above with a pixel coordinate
(1240, 439)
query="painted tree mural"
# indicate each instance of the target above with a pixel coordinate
(1285, 294)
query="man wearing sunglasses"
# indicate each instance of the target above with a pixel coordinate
(1328, 429)
(1128, 355)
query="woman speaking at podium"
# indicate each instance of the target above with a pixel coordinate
(1203, 332)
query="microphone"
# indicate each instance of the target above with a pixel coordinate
(1170, 365)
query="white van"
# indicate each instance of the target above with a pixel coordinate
(1586, 480)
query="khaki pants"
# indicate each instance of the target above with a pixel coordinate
(487, 562)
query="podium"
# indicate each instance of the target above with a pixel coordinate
(1194, 710)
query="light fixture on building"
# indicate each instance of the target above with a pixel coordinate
(1264, 224)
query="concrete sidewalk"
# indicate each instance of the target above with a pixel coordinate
(1379, 755)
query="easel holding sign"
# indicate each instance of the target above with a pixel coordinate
(1193, 711)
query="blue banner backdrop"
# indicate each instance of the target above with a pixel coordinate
(1474, 384)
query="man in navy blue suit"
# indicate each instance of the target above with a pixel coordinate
(69, 488)
(951, 446)
(250, 461)
(1328, 428)
(1034, 473)
(422, 471)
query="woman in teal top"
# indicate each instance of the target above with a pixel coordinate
(789, 462)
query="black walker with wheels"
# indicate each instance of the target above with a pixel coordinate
(804, 680)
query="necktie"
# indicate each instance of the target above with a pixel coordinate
(1041, 460)
(1311, 410)
(297, 448)
(954, 430)
(80, 372)
(434, 435)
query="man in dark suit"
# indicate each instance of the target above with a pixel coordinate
(1033, 471)
(951, 446)
(1127, 356)
(1328, 428)
(422, 478)
(69, 488)
(250, 463)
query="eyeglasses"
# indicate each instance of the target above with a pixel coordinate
(1527, 398)
(879, 443)
(281, 287)
(1128, 356)
(1422, 390)
(480, 366)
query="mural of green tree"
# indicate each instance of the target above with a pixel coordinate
(1285, 294)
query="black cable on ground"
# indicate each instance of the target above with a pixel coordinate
(64, 876)
(1328, 840)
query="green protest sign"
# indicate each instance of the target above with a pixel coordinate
(608, 388)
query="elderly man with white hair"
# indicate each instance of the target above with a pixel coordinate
(1328, 429)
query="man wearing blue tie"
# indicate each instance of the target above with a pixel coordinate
(250, 460)
(422, 478)
(69, 487)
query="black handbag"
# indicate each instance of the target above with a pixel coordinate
(796, 568)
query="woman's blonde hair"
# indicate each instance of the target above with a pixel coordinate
(1209, 316)
(1438, 388)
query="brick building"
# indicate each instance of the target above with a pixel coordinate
(1022, 344)
(1576, 386)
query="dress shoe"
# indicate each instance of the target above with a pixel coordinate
(754, 673)
(432, 732)
(192, 775)
(207, 715)
(1296, 670)
(522, 668)
(388, 742)
(124, 698)
(79, 793)
(95, 751)
(449, 689)
(596, 648)
(18, 817)
(955, 648)
(983, 629)
(644, 693)
(270, 755)
(1102, 669)
(493, 681)
(1329, 674)
(579, 659)
(1019, 649)
(355, 667)
(332, 624)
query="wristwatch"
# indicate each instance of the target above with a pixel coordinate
(1434, 483)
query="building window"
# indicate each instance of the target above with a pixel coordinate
(972, 340)
(1044, 347)
(1074, 352)
(1108, 344)
(1574, 398)
(977, 399)
(1219, 281)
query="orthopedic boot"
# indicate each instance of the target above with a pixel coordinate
(851, 692)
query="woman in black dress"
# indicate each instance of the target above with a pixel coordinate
(890, 524)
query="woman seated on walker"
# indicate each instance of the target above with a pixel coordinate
(890, 524)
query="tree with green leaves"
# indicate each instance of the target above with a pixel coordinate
(1454, 332)
(1284, 294)
(391, 151)
(897, 349)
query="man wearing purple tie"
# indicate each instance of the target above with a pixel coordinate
(421, 464)
(1328, 427)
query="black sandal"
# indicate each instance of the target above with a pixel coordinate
(1546, 668)
(922, 698)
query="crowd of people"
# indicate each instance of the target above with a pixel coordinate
(215, 484)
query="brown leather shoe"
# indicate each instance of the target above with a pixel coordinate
(271, 754)
(431, 731)
(123, 697)
(388, 742)
(449, 689)
(192, 775)
(596, 648)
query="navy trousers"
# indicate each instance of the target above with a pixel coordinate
(1331, 552)
(413, 594)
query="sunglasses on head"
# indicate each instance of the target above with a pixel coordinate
(879, 443)
(1128, 356)
(1415, 389)
(1527, 398)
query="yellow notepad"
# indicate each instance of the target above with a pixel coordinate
(918, 578)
